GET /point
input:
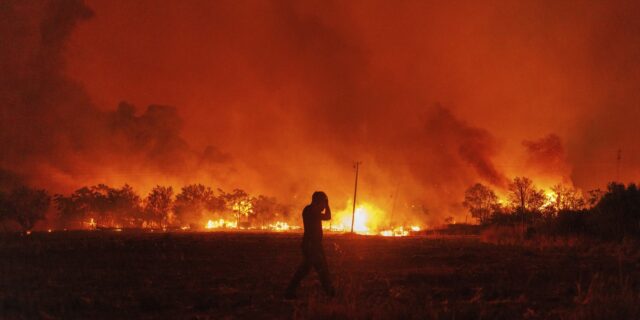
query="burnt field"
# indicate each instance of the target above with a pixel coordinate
(239, 275)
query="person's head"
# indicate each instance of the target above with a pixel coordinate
(319, 199)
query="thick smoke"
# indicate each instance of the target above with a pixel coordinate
(45, 117)
(547, 158)
(281, 97)
(53, 136)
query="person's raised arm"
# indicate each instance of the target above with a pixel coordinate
(327, 212)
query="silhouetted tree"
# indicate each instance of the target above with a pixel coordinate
(27, 206)
(617, 214)
(107, 206)
(524, 196)
(594, 197)
(124, 206)
(481, 202)
(158, 205)
(526, 200)
(69, 211)
(192, 203)
(98, 199)
(79, 207)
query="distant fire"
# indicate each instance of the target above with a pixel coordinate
(369, 220)
(221, 224)
(280, 226)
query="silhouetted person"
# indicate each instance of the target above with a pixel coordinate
(312, 252)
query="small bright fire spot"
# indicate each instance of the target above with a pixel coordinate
(280, 226)
(221, 224)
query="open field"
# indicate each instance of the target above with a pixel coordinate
(94, 275)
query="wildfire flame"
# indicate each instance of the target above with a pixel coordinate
(280, 226)
(368, 220)
(220, 224)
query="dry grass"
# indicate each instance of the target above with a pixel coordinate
(216, 275)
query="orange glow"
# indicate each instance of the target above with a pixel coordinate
(278, 99)
(369, 220)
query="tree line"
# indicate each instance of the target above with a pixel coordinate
(613, 213)
(103, 206)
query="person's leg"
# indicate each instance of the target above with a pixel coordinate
(300, 273)
(322, 268)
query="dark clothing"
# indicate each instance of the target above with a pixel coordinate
(312, 258)
(312, 252)
(312, 220)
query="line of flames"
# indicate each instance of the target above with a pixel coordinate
(280, 226)
(363, 218)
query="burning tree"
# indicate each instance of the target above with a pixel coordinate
(193, 201)
(481, 202)
(263, 209)
(567, 198)
(239, 202)
(26, 206)
(158, 205)
(267, 210)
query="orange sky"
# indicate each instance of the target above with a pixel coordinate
(432, 96)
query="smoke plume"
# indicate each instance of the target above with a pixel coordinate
(280, 98)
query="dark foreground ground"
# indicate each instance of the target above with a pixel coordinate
(94, 275)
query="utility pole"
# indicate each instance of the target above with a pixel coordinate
(355, 193)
